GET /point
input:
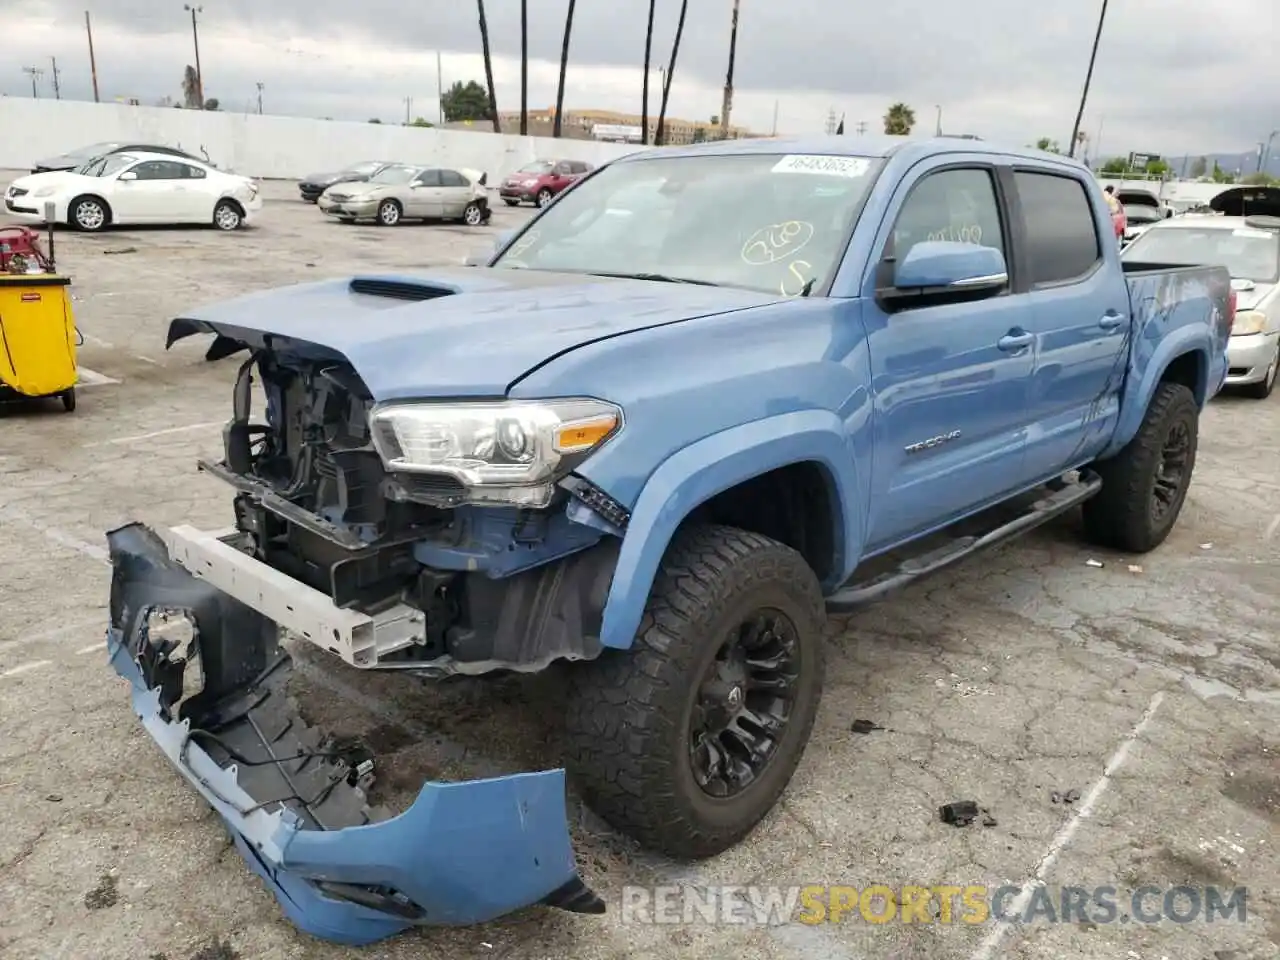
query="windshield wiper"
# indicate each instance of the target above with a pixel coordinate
(657, 277)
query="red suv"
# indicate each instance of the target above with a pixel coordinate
(540, 181)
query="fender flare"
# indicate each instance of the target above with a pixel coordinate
(697, 473)
(1137, 395)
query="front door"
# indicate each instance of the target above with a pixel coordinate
(154, 195)
(424, 196)
(1078, 309)
(950, 381)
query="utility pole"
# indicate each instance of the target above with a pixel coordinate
(524, 68)
(57, 90)
(937, 127)
(775, 118)
(35, 73)
(1088, 79)
(1266, 151)
(727, 105)
(831, 121)
(195, 39)
(440, 86)
(259, 86)
(93, 63)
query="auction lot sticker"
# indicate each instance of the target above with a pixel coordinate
(826, 165)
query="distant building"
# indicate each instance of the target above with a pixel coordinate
(616, 126)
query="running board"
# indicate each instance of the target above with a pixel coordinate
(1061, 496)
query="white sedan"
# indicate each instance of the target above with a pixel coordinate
(136, 188)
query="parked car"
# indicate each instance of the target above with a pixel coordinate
(404, 192)
(136, 188)
(314, 184)
(82, 155)
(657, 460)
(1249, 248)
(1142, 208)
(542, 181)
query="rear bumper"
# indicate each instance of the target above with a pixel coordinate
(341, 869)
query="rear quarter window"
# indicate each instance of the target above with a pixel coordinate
(1062, 237)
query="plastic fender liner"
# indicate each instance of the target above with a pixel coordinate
(462, 853)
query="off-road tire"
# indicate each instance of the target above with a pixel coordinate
(385, 218)
(81, 221)
(629, 710)
(1262, 389)
(1119, 515)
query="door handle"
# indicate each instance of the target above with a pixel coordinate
(1110, 321)
(1014, 341)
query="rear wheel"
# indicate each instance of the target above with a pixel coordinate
(473, 216)
(227, 215)
(389, 213)
(69, 399)
(89, 213)
(1262, 389)
(687, 740)
(1146, 483)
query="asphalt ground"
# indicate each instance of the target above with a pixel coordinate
(1151, 686)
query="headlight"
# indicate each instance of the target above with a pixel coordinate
(503, 452)
(44, 192)
(1248, 322)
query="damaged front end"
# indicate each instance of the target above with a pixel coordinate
(208, 678)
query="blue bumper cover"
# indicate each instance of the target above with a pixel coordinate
(462, 853)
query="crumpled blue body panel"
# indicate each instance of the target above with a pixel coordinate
(462, 853)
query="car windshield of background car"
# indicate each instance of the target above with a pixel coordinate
(394, 175)
(1248, 254)
(93, 150)
(365, 169)
(106, 166)
(770, 222)
(1141, 213)
(540, 166)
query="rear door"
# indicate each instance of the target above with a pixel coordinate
(425, 198)
(561, 176)
(456, 192)
(950, 380)
(1078, 310)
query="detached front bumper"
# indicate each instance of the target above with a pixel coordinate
(208, 684)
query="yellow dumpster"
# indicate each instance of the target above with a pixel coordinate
(37, 338)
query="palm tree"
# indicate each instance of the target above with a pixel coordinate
(488, 68)
(644, 97)
(564, 66)
(191, 88)
(671, 69)
(899, 120)
(524, 68)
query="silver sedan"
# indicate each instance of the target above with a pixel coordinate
(410, 192)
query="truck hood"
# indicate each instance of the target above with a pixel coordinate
(453, 332)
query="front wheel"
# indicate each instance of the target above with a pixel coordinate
(544, 197)
(687, 740)
(389, 213)
(1262, 389)
(1146, 483)
(89, 214)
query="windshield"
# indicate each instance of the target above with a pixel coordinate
(394, 175)
(93, 150)
(757, 221)
(539, 166)
(1142, 213)
(1248, 254)
(105, 166)
(365, 169)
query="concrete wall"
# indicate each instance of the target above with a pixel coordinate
(263, 146)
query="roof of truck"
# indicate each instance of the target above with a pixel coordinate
(872, 145)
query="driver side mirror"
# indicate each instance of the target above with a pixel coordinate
(943, 270)
(127, 176)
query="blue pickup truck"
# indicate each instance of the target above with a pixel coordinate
(698, 401)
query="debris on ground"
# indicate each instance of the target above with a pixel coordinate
(54, 798)
(104, 894)
(1093, 563)
(1135, 568)
(217, 950)
(115, 250)
(1206, 546)
(865, 726)
(961, 813)
(1065, 796)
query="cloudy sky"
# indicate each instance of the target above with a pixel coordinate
(1171, 76)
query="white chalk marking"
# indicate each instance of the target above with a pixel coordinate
(155, 433)
(91, 378)
(986, 950)
(146, 359)
(53, 633)
(23, 668)
(55, 534)
(100, 647)
(97, 341)
(1272, 527)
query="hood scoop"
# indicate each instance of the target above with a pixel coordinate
(407, 290)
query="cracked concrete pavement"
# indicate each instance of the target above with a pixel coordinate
(1151, 685)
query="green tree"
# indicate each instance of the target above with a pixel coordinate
(467, 101)
(211, 103)
(1050, 146)
(1157, 168)
(421, 122)
(190, 88)
(1258, 179)
(1116, 165)
(899, 120)
(1199, 167)
(1221, 176)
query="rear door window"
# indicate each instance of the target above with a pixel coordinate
(1062, 237)
(451, 178)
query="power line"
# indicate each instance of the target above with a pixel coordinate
(35, 73)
